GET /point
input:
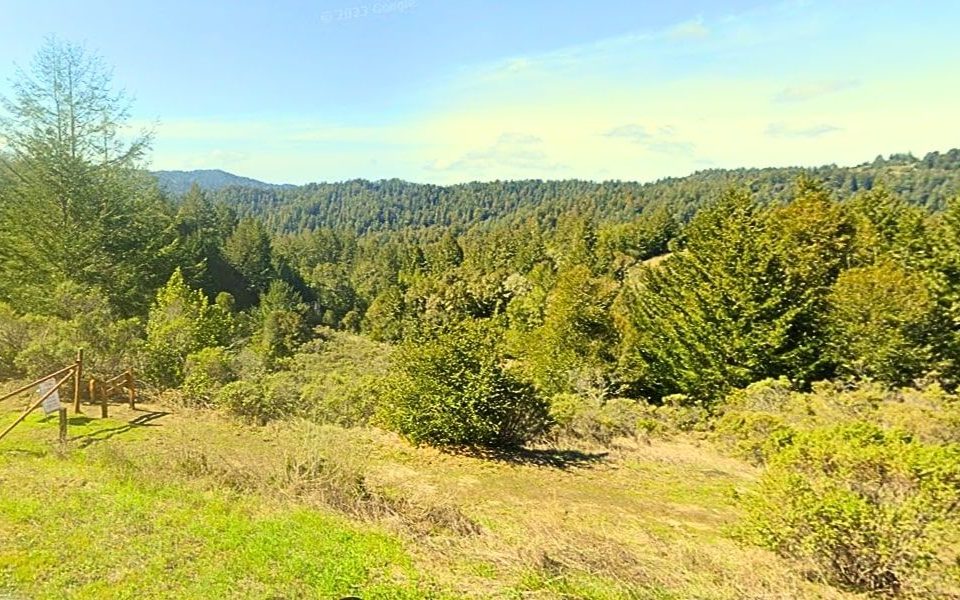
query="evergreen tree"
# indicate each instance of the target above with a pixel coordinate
(717, 314)
(283, 322)
(75, 205)
(882, 324)
(182, 321)
(248, 250)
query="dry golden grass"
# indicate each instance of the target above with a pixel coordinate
(645, 520)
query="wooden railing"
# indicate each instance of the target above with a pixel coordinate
(123, 381)
(98, 390)
(74, 371)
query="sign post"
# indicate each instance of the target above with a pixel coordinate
(36, 404)
(63, 425)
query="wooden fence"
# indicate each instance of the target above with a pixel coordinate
(123, 382)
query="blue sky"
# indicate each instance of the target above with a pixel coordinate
(450, 91)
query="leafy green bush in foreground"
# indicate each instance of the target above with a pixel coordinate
(867, 509)
(454, 389)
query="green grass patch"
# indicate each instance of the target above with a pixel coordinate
(73, 526)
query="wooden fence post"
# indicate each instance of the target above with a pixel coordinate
(77, 374)
(63, 426)
(131, 390)
(103, 398)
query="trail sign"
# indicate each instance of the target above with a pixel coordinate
(52, 403)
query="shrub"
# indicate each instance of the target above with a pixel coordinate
(281, 396)
(751, 415)
(599, 421)
(453, 389)
(33, 344)
(929, 413)
(344, 401)
(767, 395)
(868, 509)
(242, 398)
(206, 372)
(681, 413)
(181, 322)
(14, 335)
(753, 436)
(341, 377)
(277, 396)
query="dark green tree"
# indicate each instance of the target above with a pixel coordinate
(724, 311)
(248, 250)
(284, 324)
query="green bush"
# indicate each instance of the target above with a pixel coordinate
(281, 396)
(182, 321)
(345, 401)
(242, 398)
(453, 389)
(276, 396)
(753, 436)
(929, 413)
(680, 413)
(867, 509)
(13, 337)
(341, 377)
(598, 421)
(206, 372)
(749, 417)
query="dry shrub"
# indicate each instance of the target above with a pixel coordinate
(323, 466)
(236, 476)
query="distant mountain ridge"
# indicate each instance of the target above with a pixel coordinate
(390, 205)
(179, 182)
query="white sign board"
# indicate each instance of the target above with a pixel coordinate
(52, 403)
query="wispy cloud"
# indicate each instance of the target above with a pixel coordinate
(689, 30)
(809, 91)
(663, 139)
(511, 153)
(636, 134)
(783, 130)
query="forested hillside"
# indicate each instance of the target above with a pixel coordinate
(178, 183)
(807, 321)
(393, 204)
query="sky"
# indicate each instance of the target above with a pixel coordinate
(447, 91)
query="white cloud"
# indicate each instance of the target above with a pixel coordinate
(662, 139)
(632, 133)
(783, 130)
(688, 30)
(511, 155)
(816, 89)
